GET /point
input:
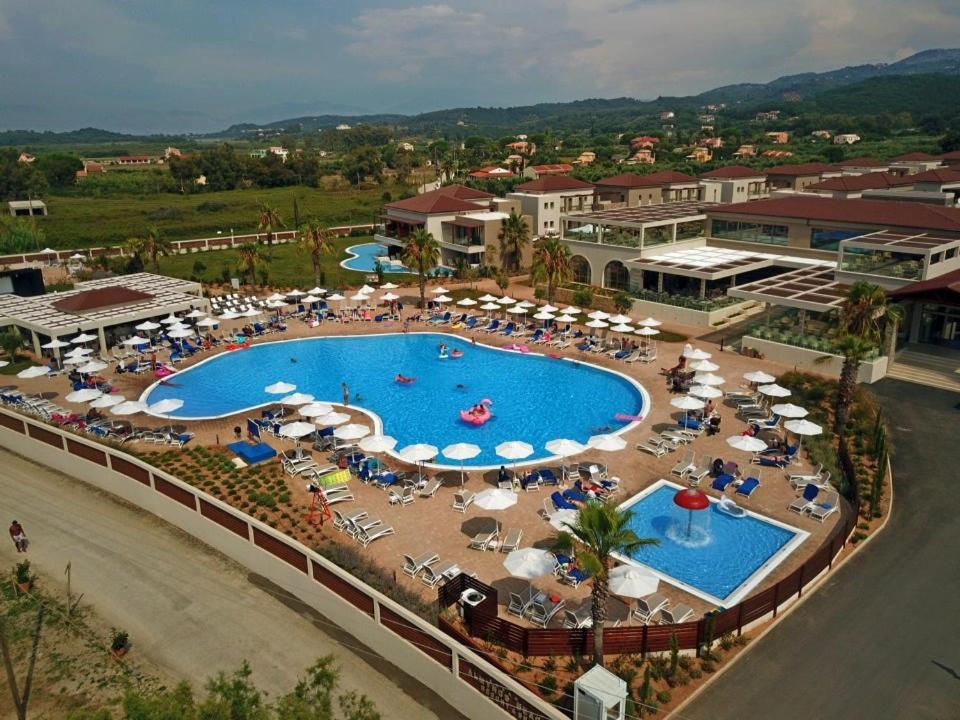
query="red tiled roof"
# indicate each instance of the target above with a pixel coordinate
(795, 170)
(552, 168)
(867, 181)
(916, 157)
(861, 162)
(942, 175)
(955, 155)
(733, 172)
(494, 171)
(100, 298)
(633, 180)
(870, 213)
(134, 157)
(939, 288)
(554, 183)
(447, 199)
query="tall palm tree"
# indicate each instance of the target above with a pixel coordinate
(514, 237)
(249, 258)
(865, 316)
(154, 244)
(137, 247)
(421, 251)
(551, 264)
(316, 240)
(268, 221)
(599, 530)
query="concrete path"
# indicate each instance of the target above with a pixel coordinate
(188, 609)
(880, 639)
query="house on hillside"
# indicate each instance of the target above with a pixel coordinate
(667, 115)
(644, 141)
(26, 157)
(133, 160)
(745, 151)
(643, 156)
(846, 139)
(535, 172)
(171, 152)
(524, 147)
(821, 134)
(778, 137)
(700, 155)
(585, 158)
(493, 172)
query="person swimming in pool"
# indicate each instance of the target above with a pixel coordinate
(461, 386)
(293, 360)
(601, 430)
(400, 378)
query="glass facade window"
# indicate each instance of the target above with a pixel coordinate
(624, 237)
(750, 232)
(689, 230)
(660, 235)
(885, 263)
(823, 239)
(580, 269)
(616, 276)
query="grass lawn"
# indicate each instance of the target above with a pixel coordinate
(90, 221)
(289, 267)
(21, 363)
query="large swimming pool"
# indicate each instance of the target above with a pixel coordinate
(363, 258)
(535, 398)
(722, 559)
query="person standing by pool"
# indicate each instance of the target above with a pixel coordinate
(346, 393)
(18, 536)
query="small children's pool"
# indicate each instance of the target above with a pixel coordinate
(721, 559)
(364, 259)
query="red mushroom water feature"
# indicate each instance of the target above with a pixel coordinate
(690, 499)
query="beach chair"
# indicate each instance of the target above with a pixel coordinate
(597, 474)
(413, 565)
(547, 510)
(560, 502)
(573, 577)
(653, 446)
(800, 479)
(365, 537)
(363, 524)
(648, 606)
(805, 502)
(430, 489)
(509, 329)
(520, 602)
(485, 540)
(403, 497)
(462, 500)
(748, 486)
(685, 465)
(582, 617)
(547, 477)
(822, 510)
(512, 541)
(532, 482)
(433, 575)
(675, 615)
(700, 471)
(542, 612)
(493, 327)
(722, 482)
(570, 472)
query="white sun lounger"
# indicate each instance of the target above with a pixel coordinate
(657, 449)
(462, 500)
(413, 565)
(675, 615)
(432, 575)
(365, 537)
(648, 606)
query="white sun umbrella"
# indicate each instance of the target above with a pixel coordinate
(297, 429)
(331, 418)
(598, 315)
(54, 344)
(129, 407)
(705, 378)
(317, 290)
(549, 308)
(181, 333)
(646, 331)
(179, 326)
(195, 313)
(78, 256)
(607, 442)
(33, 371)
(4, 363)
(705, 391)
(489, 306)
(517, 310)
(650, 322)
(252, 312)
(377, 443)
(170, 319)
(136, 340)
(688, 403)
(229, 315)
(148, 326)
(389, 297)
(280, 388)
(632, 582)
(297, 398)
(789, 410)
(525, 304)
(488, 298)
(758, 376)
(746, 443)
(311, 299)
(276, 297)
(563, 519)
(351, 431)
(208, 322)
(620, 319)
(105, 401)
(165, 406)
(692, 353)
(530, 563)
(801, 428)
(598, 324)
(461, 452)
(336, 296)
(84, 395)
(571, 310)
(466, 302)
(273, 305)
(622, 328)
(78, 352)
(91, 367)
(442, 298)
(495, 499)
(439, 290)
(389, 286)
(418, 454)
(295, 293)
(564, 447)
(774, 390)
(315, 409)
(544, 315)
(359, 297)
(75, 359)
(83, 338)
(506, 300)
(514, 450)
(567, 318)
(366, 290)
(704, 366)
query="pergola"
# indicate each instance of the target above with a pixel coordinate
(627, 227)
(99, 304)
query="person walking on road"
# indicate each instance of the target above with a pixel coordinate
(18, 536)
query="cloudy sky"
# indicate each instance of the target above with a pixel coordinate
(200, 65)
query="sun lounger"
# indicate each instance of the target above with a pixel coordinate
(547, 477)
(652, 446)
(413, 565)
(363, 524)
(805, 503)
(462, 500)
(560, 502)
(432, 575)
(700, 471)
(366, 537)
(748, 486)
(722, 482)
(403, 497)
(648, 606)
(512, 540)
(430, 489)
(541, 613)
(685, 465)
(582, 617)
(338, 497)
(344, 520)
(520, 602)
(822, 510)
(485, 540)
(675, 615)
(570, 472)
(573, 577)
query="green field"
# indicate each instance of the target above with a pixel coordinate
(287, 268)
(76, 222)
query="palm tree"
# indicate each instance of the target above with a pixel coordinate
(865, 316)
(154, 245)
(137, 247)
(316, 240)
(421, 251)
(249, 258)
(11, 341)
(599, 530)
(551, 263)
(514, 237)
(268, 220)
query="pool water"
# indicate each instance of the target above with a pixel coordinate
(722, 558)
(364, 259)
(535, 398)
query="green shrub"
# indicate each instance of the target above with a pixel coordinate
(549, 684)
(726, 641)
(708, 666)
(583, 297)
(664, 697)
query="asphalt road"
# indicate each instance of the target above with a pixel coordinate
(881, 638)
(188, 609)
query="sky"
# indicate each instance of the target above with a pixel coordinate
(145, 66)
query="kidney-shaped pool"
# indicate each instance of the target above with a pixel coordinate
(535, 398)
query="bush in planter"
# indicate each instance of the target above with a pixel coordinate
(23, 576)
(664, 697)
(119, 641)
(583, 297)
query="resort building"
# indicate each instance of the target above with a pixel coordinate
(133, 160)
(860, 165)
(26, 208)
(951, 159)
(546, 198)
(633, 190)
(537, 171)
(913, 163)
(797, 177)
(462, 219)
(778, 137)
(846, 187)
(733, 184)
(494, 172)
(945, 181)
(846, 139)
(108, 308)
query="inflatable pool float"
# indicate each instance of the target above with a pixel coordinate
(238, 346)
(443, 356)
(727, 506)
(478, 418)
(163, 371)
(518, 348)
(457, 354)
(628, 418)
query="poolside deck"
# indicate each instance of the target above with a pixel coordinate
(432, 524)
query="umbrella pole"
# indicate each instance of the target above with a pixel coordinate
(461, 475)
(689, 522)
